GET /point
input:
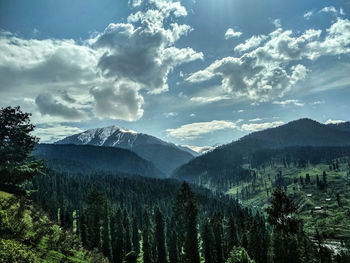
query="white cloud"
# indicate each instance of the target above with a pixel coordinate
(318, 102)
(120, 61)
(277, 23)
(55, 132)
(206, 100)
(273, 69)
(289, 102)
(330, 121)
(255, 120)
(197, 129)
(307, 15)
(253, 127)
(170, 114)
(117, 102)
(250, 43)
(230, 33)
(329, 9)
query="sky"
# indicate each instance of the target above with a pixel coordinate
(191, 72)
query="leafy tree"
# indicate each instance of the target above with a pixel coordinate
(16, 145)
(239, 255)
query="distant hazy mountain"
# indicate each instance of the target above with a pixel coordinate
(344, 126)
(303, 132)
(165, 156)
(87, 159)
(197, 150)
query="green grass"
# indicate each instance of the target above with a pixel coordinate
(333, 221)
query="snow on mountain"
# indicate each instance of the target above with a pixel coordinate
(165, 156)
(198, 150)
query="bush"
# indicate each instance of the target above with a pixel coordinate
(239, 255)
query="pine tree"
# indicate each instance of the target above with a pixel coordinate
(160, 237)
(172, 243)
(208, 242)
(231, 237)
(135, 237)
(127, 239)
(118, 237)
(218, 237)
(16, 146)
(147, 234)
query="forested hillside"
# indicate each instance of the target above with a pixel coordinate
(225, 163)
(88, 159)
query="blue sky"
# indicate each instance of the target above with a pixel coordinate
(190, 72)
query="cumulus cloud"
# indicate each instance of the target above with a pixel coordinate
(230, 33)
(289, 102)
(250, 43)
(120, 61)
(253, 127)
(48, 105)
(197, 129)
(118, 102)
(330, 121)
(270, 70)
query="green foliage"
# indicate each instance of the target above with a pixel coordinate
(239, 255)
(15, 252)
(16, 145)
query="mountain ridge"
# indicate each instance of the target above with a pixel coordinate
(228, 157)
(165, 156)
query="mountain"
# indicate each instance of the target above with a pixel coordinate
(89, 159)
(226, 160)
(196, 150)
(343, 126)
(165, 156)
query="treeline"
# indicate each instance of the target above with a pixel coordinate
(297, 156)
(128, 217)
(131, 218)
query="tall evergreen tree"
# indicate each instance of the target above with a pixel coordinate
(160, 237)
(147, 240)
(16, 146)
(135, 236)
(208, 246)
(118, 237)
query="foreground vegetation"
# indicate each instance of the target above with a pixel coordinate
(129, 218)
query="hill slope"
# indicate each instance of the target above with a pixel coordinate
(87, 158)
(165, 156)
(225, 160)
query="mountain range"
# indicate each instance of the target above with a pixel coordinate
(165, 156)
(229, 157)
